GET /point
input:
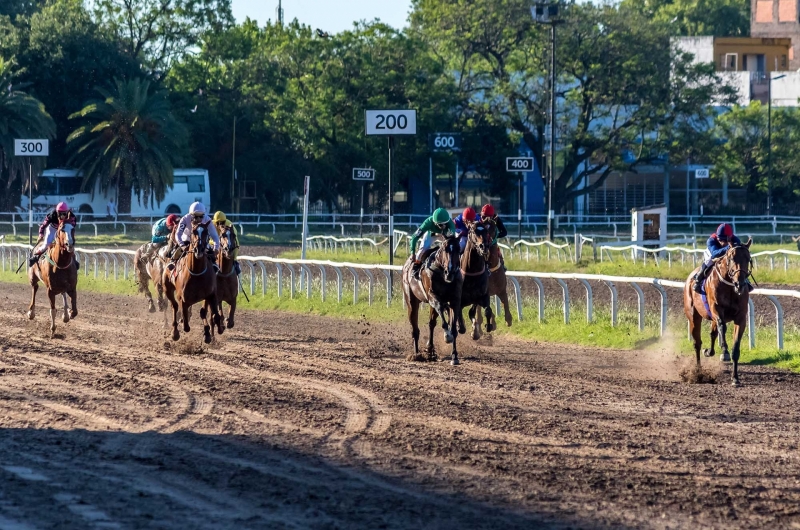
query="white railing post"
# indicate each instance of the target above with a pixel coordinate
(640, 294)
(565, 291)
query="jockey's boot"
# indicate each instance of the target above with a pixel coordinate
(749, 286)
(34, 258)
(77, 265)
(698, 279)
(237, 268)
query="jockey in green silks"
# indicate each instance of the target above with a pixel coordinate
(439, 223)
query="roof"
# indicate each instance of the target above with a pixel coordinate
(645, 208)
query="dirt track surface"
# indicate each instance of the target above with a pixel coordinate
(305, 422)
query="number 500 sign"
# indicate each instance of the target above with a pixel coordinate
(391, 122)
(31, 147)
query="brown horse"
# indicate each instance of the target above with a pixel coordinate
(497, 278)
(475, 292)
(58, 271)
(194, 281)
(728, 294)
(227, 280)
(440, 287)
(150, 269)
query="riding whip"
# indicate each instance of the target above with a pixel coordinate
(242, 288)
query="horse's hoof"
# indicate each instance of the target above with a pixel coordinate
(66, 318)
(207, 336)
(475, 334)
(725, 358)
(508, 322)
(151, 309)
(176, 335)
(736, 383)
(708, 353)
(448, 337)
(73, 314)
(454, 361)
(31, 315)
(230, 324)
(186, 327)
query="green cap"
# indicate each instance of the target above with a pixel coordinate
(440, 216)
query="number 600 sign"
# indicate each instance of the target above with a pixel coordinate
(391, 122)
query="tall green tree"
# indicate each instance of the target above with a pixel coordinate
(622, 91)
(157, 32)
(742, 151)
(720, 18)
(128, 140)
(21, 116)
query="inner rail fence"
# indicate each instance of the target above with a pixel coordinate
(116, 264)
(615, 226)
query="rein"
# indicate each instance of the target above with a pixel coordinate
(57, 246)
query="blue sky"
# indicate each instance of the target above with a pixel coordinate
(332, 16)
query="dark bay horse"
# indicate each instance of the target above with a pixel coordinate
(727, 295)
(147, 270)
(440, 287)
(475, 291)
(58, 272)
(227, 281)
(497, 278)
(193, 281)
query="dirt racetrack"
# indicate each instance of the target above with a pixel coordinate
(305, 422)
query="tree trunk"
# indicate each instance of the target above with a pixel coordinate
(123, 198)
(11, 195)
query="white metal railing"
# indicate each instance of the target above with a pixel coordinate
(112, 260)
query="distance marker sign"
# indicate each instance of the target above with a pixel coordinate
(391, 122)
(520, 164)
(444, 142)
(363, 174)
(31, 147)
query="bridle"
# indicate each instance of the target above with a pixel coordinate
(224, 251)
(198, 244)
(732, 272)
(58, 245)
(448, 251)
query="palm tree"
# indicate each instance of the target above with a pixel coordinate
(21, 116)
(129, 140)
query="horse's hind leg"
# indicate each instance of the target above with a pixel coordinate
(32, 307)
(476, 319)
(52, 298)
(231, 312)
(454, 353)
(431, 326)
(506, 309)
(73, 297)
(491, 325)
(709, 352)
(443, 311)
(185, 311)
(695, 327)
(206, 326)
(66, 308)
(738, 333)
(412, 308)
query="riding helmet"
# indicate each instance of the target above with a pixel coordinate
(724, 231)
(172, 220)
(220, 217)
(487, 210)
(440, 216)
(62, 207)
(468, 215)
(197, 208)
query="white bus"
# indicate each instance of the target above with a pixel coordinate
(56, 185)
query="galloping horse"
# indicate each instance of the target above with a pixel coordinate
(440, 287)
(476, 277)
(727, 297)
(59, 273)
(194, 281)
(497, 279)
(150, 270)
(227, 281)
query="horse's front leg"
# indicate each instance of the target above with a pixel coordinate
(65, 318)
(443, 311)
(431, 349)
(216, 315)
(475, 318)
(723, 341)
(231, 312)
(206, 326)
(185, 312)
(52, 298)
(491, 325)
(456, 308)
(709, 352)
(738, 333)
(412, 308)
(506, 309)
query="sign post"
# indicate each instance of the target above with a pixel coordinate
(444, 142)
(363, 175)
(519, 165)
(390, 123)
(304, 243)
(29, 148)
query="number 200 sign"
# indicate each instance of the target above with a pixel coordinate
(31, 147)
(391, 122)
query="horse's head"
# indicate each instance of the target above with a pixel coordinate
(224, 239)
(66, 237)
(737, 266)
(480, 237)
(199, 243)
(447, 258)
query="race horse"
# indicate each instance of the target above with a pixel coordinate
(194, 281)
(147, 270)
(727, 296)
(497, 278)
(227, 280)
(58, 271)
(475, 292)
(439, 286)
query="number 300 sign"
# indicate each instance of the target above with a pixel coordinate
(31, 147)
(391, 122)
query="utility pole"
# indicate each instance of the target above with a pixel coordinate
(770, 79)
(280, 13)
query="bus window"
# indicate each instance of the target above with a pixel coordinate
(47, 186)
(197, 183)
(179, 179)
(69, 185)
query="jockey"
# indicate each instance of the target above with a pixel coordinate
(48, 229)
(462, 228)
(716, 247)
(488, 214)
(438, 223)
(183, 235)
(161, 235)
(221, 223)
